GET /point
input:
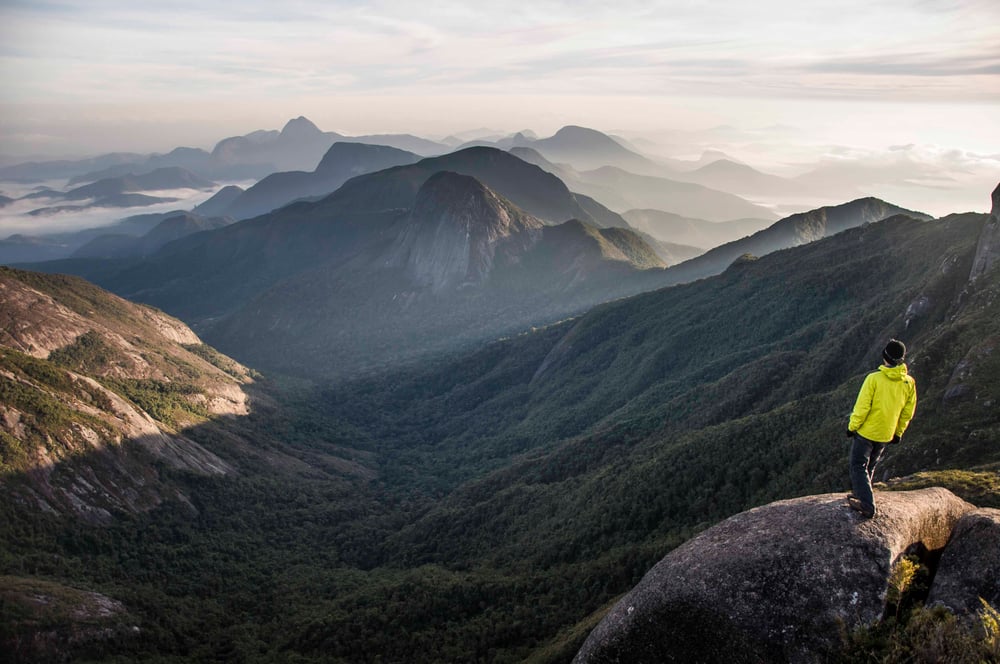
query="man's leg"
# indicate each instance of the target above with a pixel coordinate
(861, 483)
(876, 455)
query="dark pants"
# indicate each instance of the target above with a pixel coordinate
(865, 455)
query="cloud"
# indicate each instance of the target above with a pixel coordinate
(912, 64)
(15, 218)
(74, 50)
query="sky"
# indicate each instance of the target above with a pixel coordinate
(798, 80)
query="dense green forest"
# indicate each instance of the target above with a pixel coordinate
(491, 506)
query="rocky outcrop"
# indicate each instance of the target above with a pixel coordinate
(97, 393)
(988, 249)
(776, 583)
(970, 566)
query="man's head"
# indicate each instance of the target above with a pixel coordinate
(894, 352)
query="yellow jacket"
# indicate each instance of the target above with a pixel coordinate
(885, 404)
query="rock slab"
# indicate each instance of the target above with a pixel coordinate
(778, 583)
(970, 565)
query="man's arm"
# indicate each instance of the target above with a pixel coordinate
(907, 413)
(863, 403)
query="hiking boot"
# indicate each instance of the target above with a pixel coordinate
(858, 506)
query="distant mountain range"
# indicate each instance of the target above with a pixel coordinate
(584, 149)
(727, 175)
(666, 226)
(121, 191)
(298, 146)
(173, 227)
(20, 248)
(622, 190)
(340, 163)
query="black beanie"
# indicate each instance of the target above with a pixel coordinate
(894, 352)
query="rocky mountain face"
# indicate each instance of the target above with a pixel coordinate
(455, 230)
(969, 571)
(778, 583)
(95, 390)
(988, 250)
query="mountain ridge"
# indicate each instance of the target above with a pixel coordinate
(340, 163)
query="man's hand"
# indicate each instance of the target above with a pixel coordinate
(895, 439)
(850, 434)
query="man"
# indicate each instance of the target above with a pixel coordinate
(881, 414)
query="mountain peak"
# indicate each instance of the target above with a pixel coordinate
(455, 229)
(300, 127)
(575, 132)
(354, 156)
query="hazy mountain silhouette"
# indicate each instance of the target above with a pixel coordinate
(683, 198)
(192, 159)
(581, 148)
(38, 171)
(21, 248)
(621, 190)
(173, 227)
(160, 179)
(219, 203)
(406, 142)
(737, 178)
(669, 227)
(298, 146)
(340, 163)
(121, 191)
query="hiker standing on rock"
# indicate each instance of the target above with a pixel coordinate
(881, 414)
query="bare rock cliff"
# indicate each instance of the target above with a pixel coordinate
(970, 565)
(455, 230)
(988, 250)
